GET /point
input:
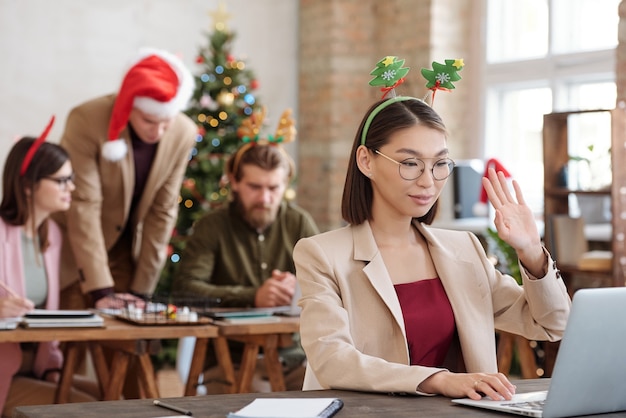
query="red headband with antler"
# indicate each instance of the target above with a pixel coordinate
(35, 146)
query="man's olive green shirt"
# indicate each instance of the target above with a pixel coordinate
(226, 258)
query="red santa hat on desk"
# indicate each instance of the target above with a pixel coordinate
(481, 208)
(157, 83)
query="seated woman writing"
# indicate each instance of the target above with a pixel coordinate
(390, 304)
(37, 181)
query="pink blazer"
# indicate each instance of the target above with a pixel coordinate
(49, 355)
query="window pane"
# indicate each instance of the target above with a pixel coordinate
(589, 144)
(584, 25)
(517, 138)
(516, 29)
(592, 96)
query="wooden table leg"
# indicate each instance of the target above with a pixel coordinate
(70, 362)
(119, 366)
(101, 366)
(196, 366)
(146, 376)
(248, 367)
(272, 363)
(506, 343)
(220, 345)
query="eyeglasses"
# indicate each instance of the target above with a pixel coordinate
(412, 168)
(62, 181)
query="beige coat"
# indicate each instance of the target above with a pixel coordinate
(352, 326)
(101, 202)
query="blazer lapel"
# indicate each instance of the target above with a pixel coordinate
(365, 249)
(127, 168)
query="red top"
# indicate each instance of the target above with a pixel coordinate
(428, 320)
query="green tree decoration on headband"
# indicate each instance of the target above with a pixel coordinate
(389, 74)
(442, 75)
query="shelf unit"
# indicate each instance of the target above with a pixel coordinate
(556, 155)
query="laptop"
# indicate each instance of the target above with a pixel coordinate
(588, 376)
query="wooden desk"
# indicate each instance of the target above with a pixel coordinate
(356, 404)
(128, 339)
(267, 335)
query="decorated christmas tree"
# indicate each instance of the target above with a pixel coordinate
(223, 98)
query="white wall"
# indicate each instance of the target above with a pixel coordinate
(55, 54)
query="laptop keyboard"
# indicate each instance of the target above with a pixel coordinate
(529, 405)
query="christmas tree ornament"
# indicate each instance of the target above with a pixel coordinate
(220, 18)
(225, 98)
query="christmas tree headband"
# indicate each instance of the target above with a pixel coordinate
(389, 74)
(35, 146)
(250, 130)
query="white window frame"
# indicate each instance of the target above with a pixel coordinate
(556, 71)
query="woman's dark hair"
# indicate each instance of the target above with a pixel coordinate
(15, 208)
(356, 204)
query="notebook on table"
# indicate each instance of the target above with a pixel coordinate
(45, 318)
(249, 313)
(588, 376)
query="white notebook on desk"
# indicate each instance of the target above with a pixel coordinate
(45, 318)
(588, 375)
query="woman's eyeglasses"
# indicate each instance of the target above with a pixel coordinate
(63, 182)
(412, 168)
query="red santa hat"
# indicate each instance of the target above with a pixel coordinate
(157, 83)
(480, 208)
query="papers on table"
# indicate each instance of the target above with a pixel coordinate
(289, 408)
(44, 318)
(9, 323)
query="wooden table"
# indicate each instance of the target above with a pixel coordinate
(269, 336)
(356, 404)
(128, 340)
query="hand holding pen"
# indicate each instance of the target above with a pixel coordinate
(13, 305)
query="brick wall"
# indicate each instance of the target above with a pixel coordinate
(340, 42)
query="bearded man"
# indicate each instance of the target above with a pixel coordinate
(242, 253)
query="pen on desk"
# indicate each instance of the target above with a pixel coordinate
(172, 407)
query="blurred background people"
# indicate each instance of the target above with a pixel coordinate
(37, 181)
(242, 253)
(129, 151)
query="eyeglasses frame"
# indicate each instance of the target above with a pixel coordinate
(432, 169)
(62, 182)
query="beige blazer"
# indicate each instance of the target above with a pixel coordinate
(101, 202)
(352, 327)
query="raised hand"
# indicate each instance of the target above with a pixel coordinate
(514, 222)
